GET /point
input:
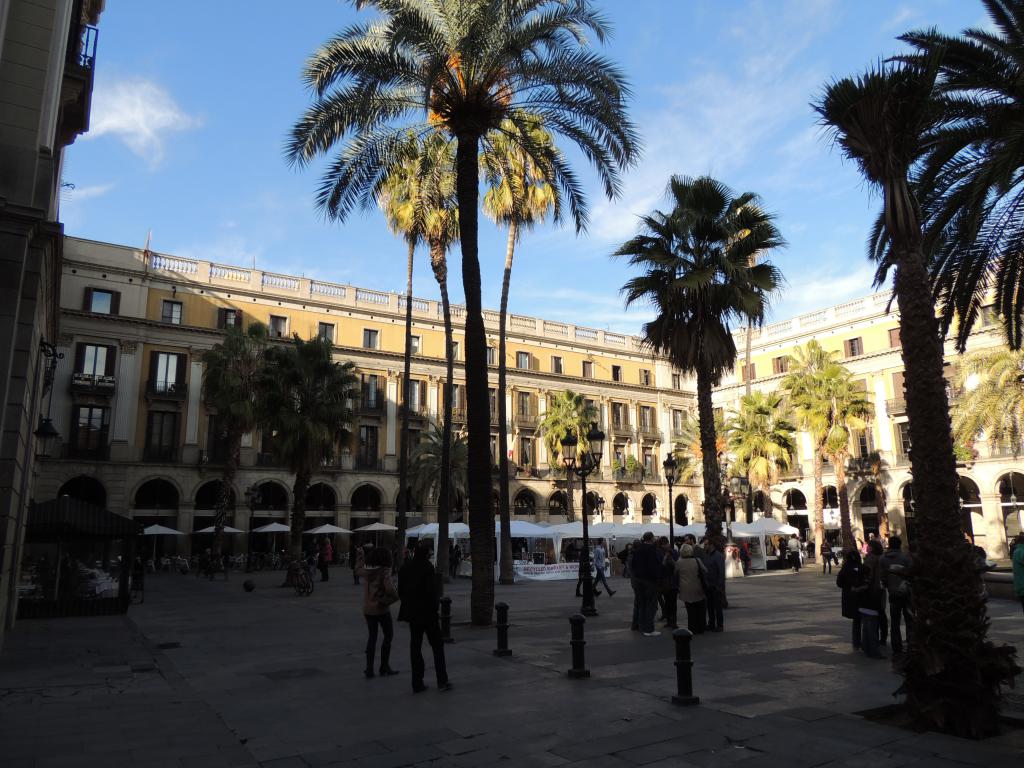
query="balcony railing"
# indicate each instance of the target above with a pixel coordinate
(368, 406)
(527, 472)
(216, 454)
(678, 433)
(369, 463)
(98, 449)
(621, 428)
(526, 419)
(649, 431)
(1004, 451)
(629, 475)
(267, 459)
(859, 464)
(902, 459)
(82, 51)
(89, 384)
(166, 390)
(458, 415)
(417, 410)
(167, 454)
(896, 405)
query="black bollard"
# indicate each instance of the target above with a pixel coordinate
(502, 649)
(446, 619)
(684, 669)
(579, 669)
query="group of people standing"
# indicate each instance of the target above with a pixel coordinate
(865, 582)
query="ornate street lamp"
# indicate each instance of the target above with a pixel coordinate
(252, 498)
(670, 467)
(45, 433)
(584, 464)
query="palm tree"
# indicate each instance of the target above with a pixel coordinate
(878, 475)
(698, 275)
(427, 471)
(995, 405)
(804, 388)
(520, 197)
(463, 67)
(567, 412)
(231, 378)
(968, 181)
(304, 394)
(761, 438)
(953, 674)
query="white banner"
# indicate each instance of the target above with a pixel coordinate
(533, 572)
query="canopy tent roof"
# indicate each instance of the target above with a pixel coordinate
(67, 518)
(375, 527)
(431, 529)
(161, 530)
(272, 528)
(521, 529)
(213, 529)
(327, 528)
(764, 526)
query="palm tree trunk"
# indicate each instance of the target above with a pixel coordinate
(883, 512)
(746, 375)
(505, 572)
(953, 675)
(403, 456)
(478, 419)
(819, 502)
(709, 458)
(298, 513)
(839, 462)
(440, 266)
(227, 482)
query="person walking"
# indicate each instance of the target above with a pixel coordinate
(354, 555)
(715, 561)
(794, 553)
(690, 581)
(1018, 568)
(378, 595)
(848, 579)
(826, 556)
(668, 584)
(420, 603)
(454, 560)
(895, 564)
(645, 566)
(326, 553)
(869, 601)
(581, 572)
(600, 563)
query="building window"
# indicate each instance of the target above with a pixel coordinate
(645, 377)
(616, 373)
(894, 338)
(648, 462)
(369, 338)
(171, 312)
(854, 347)
(458, 397)
(366, 458)
(588, 369)
(646, 418)
(620, 417)
(676, 381)
(161, 436)
(780, 364)
(523, 360)
(325, 331)
(495, 459)
(492, 400)
(526, 451)
(988, 316)
(524, 404)
(556, 364)
(89, 426)
(371, 392)
(168, 370)
(415, 344)
(455, 350)
(678, 421)
(417, 395)
(864, 446)
(492, 356)
(278, 326)
(748, 372)
(229, 318)
(102, 302)
(903, 438)
(94, 360)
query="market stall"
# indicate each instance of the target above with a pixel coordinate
(759, 531)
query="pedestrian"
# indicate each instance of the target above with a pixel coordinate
(690, 580)
(420, 603)
(600, 563)
(1018, 568)
(826, 556)
(794, 553)
(645, 567)
(378, 595)
(354, 554)
(745, 557)
(848, 579)
(456, 560)
(581, 573)
(715, 562)
(869, 603)
(895, 564)
(668, 583)
(326, 555)
(624, 557)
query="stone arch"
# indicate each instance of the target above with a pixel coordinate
(158, 493)
(761, 502)
(85, 488)
(558, 503)
(590, 503)
(170, 480)
(620, 504)
(681, 505)
(366, 498)
(321, 497)
(648, 505)
(830, 497)
(1010, 487)
(274, 496)
(969, 493)
(867, 495)
(205, 496)
(794, 499)
(525, 502)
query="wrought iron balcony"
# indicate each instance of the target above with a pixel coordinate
(166, 390)
(96, 448)
(90, 384)
(649, 432)
(896, 406)
(165, 454)
(267, 459)
(368, 406)
(526, 420)
(621, 428)
(629, 475)
(369, 463)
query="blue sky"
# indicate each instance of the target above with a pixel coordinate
(191, 109)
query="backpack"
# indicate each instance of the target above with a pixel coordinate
(384, 592)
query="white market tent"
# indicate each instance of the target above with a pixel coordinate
(430, 530)
(160, 530)
(272, 528)
(213, 529)
(761, 529)
(326, 528)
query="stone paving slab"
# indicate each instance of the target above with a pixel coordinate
(204, 674)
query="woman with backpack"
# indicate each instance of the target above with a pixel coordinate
(378, 594)
(849, 580)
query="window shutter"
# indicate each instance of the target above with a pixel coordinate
(897, 384)
(111, 358)
(894, 338)
(180, 371)
(152, 366)
(222, 318)
(87, 300)
(115, 302)
(79, 357)
(238, 318)
(423, 393)
(846, 348)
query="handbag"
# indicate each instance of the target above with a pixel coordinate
(385, 593)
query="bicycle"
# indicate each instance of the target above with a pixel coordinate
(299, 578)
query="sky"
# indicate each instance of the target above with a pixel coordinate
(191, 111)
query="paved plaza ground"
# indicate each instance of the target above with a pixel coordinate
(204, 675)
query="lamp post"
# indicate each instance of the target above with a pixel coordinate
(252, 498)
(581, 466)
(669, 466)
(46, 432)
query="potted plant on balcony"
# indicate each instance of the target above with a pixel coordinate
(616, 468)
(632, 467)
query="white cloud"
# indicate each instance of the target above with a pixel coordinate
(831, 284)
(227, 249)
(898, 21)
(140, 113)
(80, 194)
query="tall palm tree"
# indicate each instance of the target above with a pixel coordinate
(698, 275)
(804, 387)
(953, 674)
(969, 180)
(427, 471)
(761, 438)
(520, 197)
(995, 404)
(566, 412)
(463, 67)
(231, 377)
(304, 395)
(878, 476)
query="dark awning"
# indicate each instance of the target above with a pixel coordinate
(67, 519)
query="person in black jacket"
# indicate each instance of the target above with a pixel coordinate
(849, 579)
(645, 568)
(418, 593)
